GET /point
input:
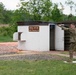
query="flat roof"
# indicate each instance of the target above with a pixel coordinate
(66, 22)
(34, 23)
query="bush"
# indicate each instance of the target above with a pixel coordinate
(7, 31)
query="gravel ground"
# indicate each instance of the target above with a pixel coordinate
(9, 51)
(33, 57)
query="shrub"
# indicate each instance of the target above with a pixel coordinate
(7, 31)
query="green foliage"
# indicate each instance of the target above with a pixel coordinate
(7, 31)
(1, 12)
(5, 15)
(56, 14)
(8, 14)
(69, 17)
(34, 10)
(38, 9)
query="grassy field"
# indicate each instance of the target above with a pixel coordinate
(48, 67)
(6, 39)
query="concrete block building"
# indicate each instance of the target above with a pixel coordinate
(40, 36)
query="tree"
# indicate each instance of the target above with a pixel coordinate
(38, 9)
(56, 14)
(7, 16)
(1, 12)
(20, 14)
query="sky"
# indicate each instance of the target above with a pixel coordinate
(12, 4)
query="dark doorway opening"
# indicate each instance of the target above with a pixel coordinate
(52, 37)
(66, 39)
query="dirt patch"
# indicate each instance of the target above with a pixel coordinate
(8, 48)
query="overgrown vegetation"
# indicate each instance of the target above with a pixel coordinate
(9, 30)
(6, 33)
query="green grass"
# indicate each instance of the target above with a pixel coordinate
(50, 67)
(65, 52)
(6, 39)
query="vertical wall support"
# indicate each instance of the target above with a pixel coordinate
(59, 38)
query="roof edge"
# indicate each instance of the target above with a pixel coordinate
(66, 22)
(33, 23)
